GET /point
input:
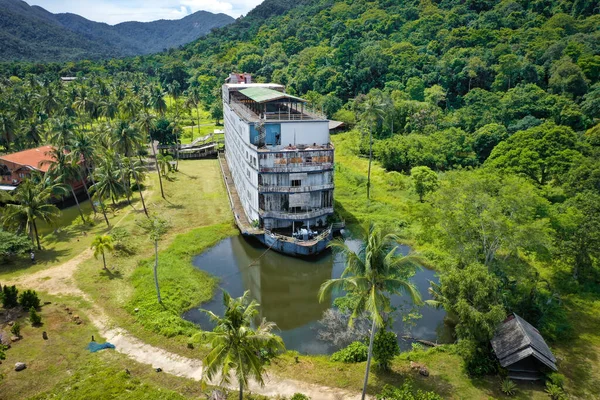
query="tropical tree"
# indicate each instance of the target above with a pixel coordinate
(372, 274)
(107, 179)
(65, 169)
(425, 181)
(164, 163)
(62, 131)
(31, 203)
(101, 245)
(155, 227)
(83, 147)
(372, 112)
(236, 347)
(7, 128)
(144, 122)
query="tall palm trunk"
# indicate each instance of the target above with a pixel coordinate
(37, 237)
(162, 192)
(241, 390)
(77, 202)
(87, 192)
(125, 184)
(156, 270)
(370, 159)
(369, 356)
(137, 182)
(104, 260)
(99, 196)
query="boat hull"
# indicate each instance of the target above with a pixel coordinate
(292, 247)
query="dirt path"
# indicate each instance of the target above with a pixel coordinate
(59, 280)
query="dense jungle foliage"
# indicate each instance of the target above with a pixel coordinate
(500, 98)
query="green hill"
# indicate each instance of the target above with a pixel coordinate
(34, 34)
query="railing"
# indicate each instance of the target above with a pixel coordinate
(293, 189)
(246, 113)
(298, 167)
(296, 216)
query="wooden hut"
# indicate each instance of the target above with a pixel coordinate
(521, 349)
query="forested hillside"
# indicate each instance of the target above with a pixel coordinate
(34, 34)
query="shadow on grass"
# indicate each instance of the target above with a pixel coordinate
(46, 256)
(107, 273)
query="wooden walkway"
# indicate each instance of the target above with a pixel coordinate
(239, 214)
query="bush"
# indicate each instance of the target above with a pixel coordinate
(122, 242)
(355, 352)
(556, 379)
(9, 296)
(34, 317)
(555, 392)
(479, 358)
(508, 387)
(28, 299)
(299, 396)
(16, 329)
(405, 392)
(385, 348)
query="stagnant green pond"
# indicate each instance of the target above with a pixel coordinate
(287, 289)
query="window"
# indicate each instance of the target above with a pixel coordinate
(296, 183)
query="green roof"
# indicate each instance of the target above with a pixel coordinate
(263, 95)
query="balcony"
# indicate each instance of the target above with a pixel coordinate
(293, 189)
(296, 216)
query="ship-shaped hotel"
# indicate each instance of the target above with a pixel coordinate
(278, 167)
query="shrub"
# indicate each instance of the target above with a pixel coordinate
(122, 241)
(405, 392)
(34, 317)
(355, 352)
(417, 347)
(299, 396)
(556, 379)
(555, 392)
(508, 387)
(9, 296)
(385, 348)
(478, 357)
(28, 299)
(16, 329)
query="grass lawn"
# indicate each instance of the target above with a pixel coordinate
(67, 238)
(199, 216)
(62, 367)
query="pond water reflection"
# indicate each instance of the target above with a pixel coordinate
(287, 290)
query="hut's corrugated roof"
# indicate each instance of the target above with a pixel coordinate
(517, 339)
(263, 94)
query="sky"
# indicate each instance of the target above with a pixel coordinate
(115, 11)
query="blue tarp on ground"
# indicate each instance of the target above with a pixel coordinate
(94, 347)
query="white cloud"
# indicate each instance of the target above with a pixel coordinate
(115, 11)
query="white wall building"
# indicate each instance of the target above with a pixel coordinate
(279, 155)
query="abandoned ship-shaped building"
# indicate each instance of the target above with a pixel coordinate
(278, 167)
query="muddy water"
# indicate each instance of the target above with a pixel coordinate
(287, 290)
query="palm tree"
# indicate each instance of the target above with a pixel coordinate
(144, 122)
(157, 100)
(107, 179)
(82, 148)
(236, 346)
(62, 132)
(65, 169)
(7, 128)
(193, 99)
(372, 111)
(31, 203)
(371, 275)
(155, 227)
(164, 163)
(127, 141)
(102, 244)
(32, 131)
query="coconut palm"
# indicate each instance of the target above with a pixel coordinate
(236, 347)
(62, 132)
(107, 179)
(144, 122)
(32, 131)
(372, 110)
(127, 140)
(164, 163)
(155, 227)
(65, 169)
(83, 148)
(371, 275)
(157, 100)
(30, 203)
(101, 245)
(7, 128)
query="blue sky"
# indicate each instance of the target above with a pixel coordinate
(115, 11)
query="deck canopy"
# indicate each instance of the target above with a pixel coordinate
(264, 95)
